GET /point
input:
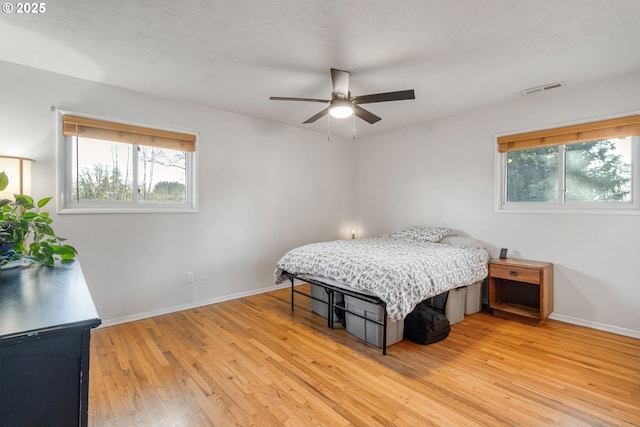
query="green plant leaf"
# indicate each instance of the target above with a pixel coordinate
(25, 201)
(41, 221)
(44, 201)
(65, 252)
(29, 232)
(4, 180)
(18, 245)
(47, 230)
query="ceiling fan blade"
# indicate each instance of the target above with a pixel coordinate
(383, 97)
(285, 98)
(316, 117)
(365, 115)
(340, 80)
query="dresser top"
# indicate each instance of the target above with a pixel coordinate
(37, 299)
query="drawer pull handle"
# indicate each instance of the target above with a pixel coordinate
(513, 273)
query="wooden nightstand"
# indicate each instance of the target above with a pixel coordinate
(521, 289)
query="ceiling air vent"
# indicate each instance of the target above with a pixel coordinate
(543, 88)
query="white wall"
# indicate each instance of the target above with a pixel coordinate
(263, 189)
(442, 173)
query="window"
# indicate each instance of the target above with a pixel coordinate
(111, 167)
(588, 166)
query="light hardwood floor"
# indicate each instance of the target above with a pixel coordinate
(255, 362)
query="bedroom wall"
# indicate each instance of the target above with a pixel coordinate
(442, 173)
(263, 189)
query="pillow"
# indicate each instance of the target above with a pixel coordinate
(422, 234)
(462, 241)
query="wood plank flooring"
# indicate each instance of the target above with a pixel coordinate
(254, 362)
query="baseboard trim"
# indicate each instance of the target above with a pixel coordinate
(196, 304)
(132, 318)
(595, 325)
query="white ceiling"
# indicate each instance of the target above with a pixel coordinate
(458, 55)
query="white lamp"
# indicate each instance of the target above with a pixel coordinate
(18, 170)
(340, 108)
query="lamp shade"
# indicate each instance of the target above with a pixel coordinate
(18, 170)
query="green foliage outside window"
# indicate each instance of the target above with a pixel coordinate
(532, 175)
(595, 171)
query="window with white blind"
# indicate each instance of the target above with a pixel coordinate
(118, 167)
(586, 167)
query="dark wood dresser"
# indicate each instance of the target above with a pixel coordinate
(46, 317)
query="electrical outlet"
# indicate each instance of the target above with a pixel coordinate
(205, 274)
(190, 277)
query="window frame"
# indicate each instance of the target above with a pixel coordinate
(65, 203)
(561, 206)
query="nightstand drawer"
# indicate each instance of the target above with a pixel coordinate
(517, 273)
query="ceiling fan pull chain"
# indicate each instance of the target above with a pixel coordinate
(328, 127)
(354, 127)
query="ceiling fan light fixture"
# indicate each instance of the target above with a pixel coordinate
(343, 105)
(341, 108)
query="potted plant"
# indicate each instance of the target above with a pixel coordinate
(26, 232)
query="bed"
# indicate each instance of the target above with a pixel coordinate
(397, 270)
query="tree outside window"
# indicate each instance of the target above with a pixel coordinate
(594, 172)
(118, 167)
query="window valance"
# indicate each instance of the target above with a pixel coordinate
(110, 131)
(603, 129)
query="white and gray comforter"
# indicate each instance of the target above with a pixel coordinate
(402, 273)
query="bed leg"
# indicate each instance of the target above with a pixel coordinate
(384, 331)
(292, 292)
(330, 307)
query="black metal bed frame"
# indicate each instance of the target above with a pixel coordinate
(331, 305)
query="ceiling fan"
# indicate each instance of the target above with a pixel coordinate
(342, 104)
